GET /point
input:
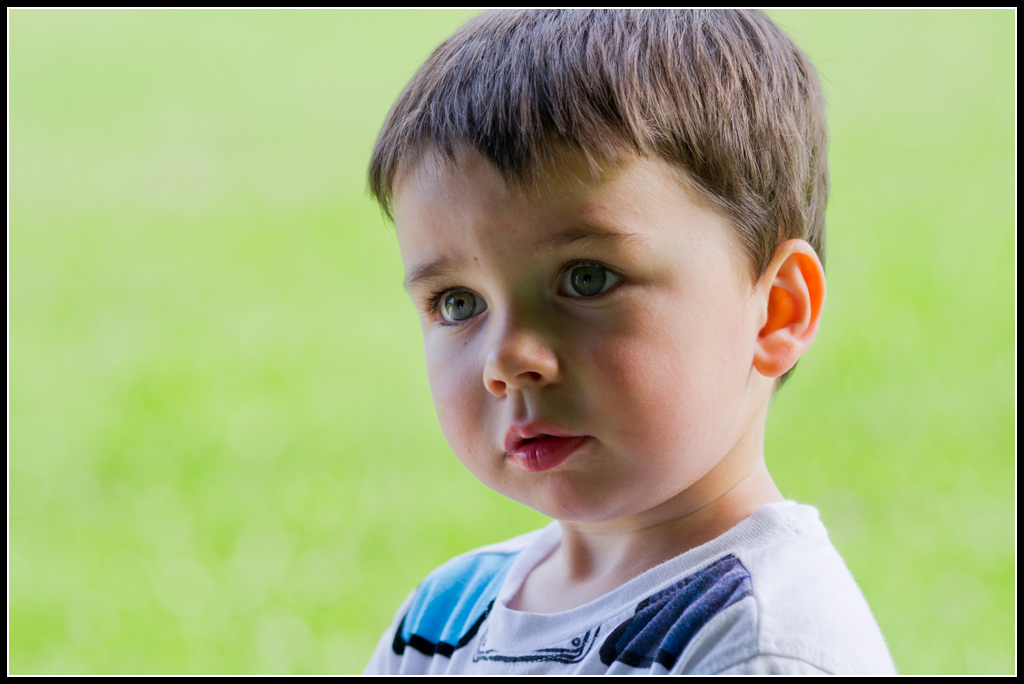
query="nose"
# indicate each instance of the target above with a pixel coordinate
(519, 358)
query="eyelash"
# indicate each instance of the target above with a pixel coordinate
(435, 297)
(434, 300)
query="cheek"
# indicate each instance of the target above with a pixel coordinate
(646, 389)
(671, 384)
(455, 386)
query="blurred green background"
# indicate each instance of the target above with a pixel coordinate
(223, 456)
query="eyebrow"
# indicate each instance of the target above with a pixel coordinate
(433, 270)
(587, 233)
(571, 237)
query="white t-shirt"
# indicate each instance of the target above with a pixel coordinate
(770, 596)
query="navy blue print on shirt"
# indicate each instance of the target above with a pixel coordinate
(452, 604)
(664, 623)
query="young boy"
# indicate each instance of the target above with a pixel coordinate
(612, 223)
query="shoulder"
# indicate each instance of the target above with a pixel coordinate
(805, 606)
(446, 610)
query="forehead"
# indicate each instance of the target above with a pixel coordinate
(444, 209)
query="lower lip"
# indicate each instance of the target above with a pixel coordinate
(545, 453)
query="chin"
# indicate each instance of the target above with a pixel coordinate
(565, 498)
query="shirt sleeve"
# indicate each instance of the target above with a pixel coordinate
(384, 660)
(765, 664)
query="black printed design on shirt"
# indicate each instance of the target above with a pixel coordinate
(580, 647)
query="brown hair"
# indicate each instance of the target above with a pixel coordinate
(723, 94)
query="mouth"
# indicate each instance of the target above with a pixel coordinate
(535, 451)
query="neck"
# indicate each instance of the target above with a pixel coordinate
(622, 549)
(597, 557)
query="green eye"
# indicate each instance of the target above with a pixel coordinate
(588, 280)
(459, 306)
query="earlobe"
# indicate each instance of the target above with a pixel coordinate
(796, 293)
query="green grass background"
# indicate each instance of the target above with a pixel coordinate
(223, 455)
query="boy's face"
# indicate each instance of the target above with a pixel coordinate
(590, 348)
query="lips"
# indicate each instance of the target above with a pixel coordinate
(536, 448)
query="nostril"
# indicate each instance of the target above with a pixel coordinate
(516, 367)
(496, 387)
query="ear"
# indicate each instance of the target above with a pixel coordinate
(796, 293)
